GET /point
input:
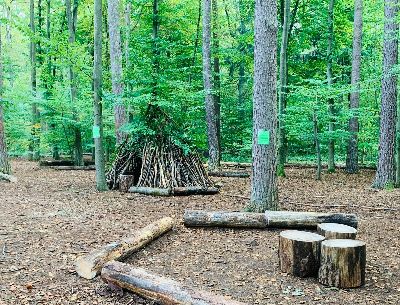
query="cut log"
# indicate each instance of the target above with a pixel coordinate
(229, 174)
(126, 182)
(336, 231)
(288, 219)
(342, 263)
(73, 168)
(273, 219)
(90, 265)
(150, 191)
(299, 252)
(194, 190)
(194, 218)
(8, 178)
(162, 290)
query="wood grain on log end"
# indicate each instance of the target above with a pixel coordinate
(342, 263)
(299, 252)
(336, 231)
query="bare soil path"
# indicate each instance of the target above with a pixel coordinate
(50, 217)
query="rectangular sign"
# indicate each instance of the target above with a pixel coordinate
(263, 137)
(96, 132)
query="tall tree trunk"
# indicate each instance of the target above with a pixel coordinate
(331, 101)
(34, 153)
(196, 44)
(217, 72)
(352, 146)
(242, 65)
(72, 22)
(128, 11)
(317, 146)
(116, 68)
(264, 189)
(8, 24)
(156, 52)
(210, 105)
(385, 174)
(5, 167)
(97, 105)
(283, 81)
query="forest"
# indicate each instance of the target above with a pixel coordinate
(221, 125)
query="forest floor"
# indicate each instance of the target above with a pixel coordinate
(50, 217)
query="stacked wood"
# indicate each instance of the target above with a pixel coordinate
(299, 252)
(336, 231)
(288, 219)
(229, 174)
(89, 266)
(273, 219)
(162, 290)
(8, 178)
(126, 182)
(342, 263)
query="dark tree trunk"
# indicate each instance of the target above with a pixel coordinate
(116, 68)
(97, 105)
(317, 146)
(352, 148)
(331, 101)
(210, 105)
(264, 190)
(283, 82)
(385, 174)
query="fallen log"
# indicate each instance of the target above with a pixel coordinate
(160, 289)
(8, 178)
(46, 163)
(197, 218)
(229, 174)
(176, 191)
(89, 266)
(150, 191)
(73, 168)
(273, 219)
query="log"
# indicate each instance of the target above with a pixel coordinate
(307, 220)
(336, 231)
(126, 182)
(229, 174)
(273, 219)
(89, 266)
(299, 252)
(46, 163)
(193, 218)
(73, 168)
(342, 263)
(160, 289)
(194, 190)
(8, 178)
(150, 191)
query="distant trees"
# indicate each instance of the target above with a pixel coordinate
(386, 172)
(264, 192)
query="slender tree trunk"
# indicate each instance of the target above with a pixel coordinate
(283, 81)
(156, 52)
(352, 146)
(196, 44)
(34, 153)
(264, 190)
(217, 72)
(211, 111)
(8, 24)
(398, 147)
(385, 174)
(242, 66)
(116, 68)
(5, 167)
(317, 146)
(97, 105)
(128, 11)
(331, 101)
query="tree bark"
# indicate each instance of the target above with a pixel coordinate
(116, 68)
(5, 167)
(352, 146)
(264, 189)
(217, 72)
(162, 290)
(242, 65)
(336, 231)
(317, 146)
(331, 101)
(283, 82)
(385, 174)
(89, 266)
(210, 104)
(97, 105)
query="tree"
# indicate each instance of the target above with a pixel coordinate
(97, 105)
(211, 106)
(217, 72)
(5, 167)
(283, 74)
(352, 146)
(385, 174)
(116, 68)
(264, 190)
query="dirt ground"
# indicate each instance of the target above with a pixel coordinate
(50, 217)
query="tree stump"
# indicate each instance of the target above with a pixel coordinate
(336, 231)
(125, 182)
(342, 263)
(299, 252)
